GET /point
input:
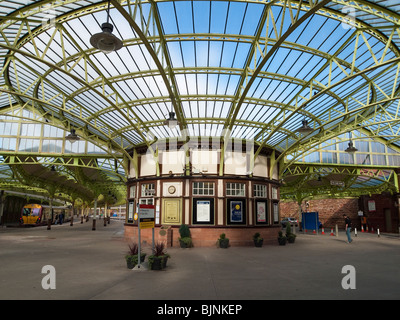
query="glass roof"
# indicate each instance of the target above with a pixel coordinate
(245, 69)
(254, 69)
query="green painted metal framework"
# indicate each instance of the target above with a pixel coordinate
(251, 70)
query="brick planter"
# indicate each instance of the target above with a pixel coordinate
(205, 236)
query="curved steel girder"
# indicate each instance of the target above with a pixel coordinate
(98, 5)
(88, 86)
(221, 121)
(215, 70)
(344, 191)
(62, 161)
(52, 187)
(236, 107)
(360, 122)
(322, 68)
(361, 5)
(367, 107)
(84, 180)
(321, 9)
(215, 98)
(15, 111)
(62, 108)
(307, 182)
(372, 8)
(94, 138)
(382, 173)
(233, 113)
(171, 89)
(16, 48)
(286, 193)
(174, 85)
(24, 189)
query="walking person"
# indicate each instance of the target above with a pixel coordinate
(347, 222)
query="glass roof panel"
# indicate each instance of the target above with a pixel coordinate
(245, 66)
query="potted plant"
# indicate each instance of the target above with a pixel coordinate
(223, 241)
(281, 239)
(258, 241)
(158, 260)
(291, 237)
(132, 256)
(185, 240)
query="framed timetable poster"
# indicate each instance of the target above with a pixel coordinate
(236, 211)
(203, 211)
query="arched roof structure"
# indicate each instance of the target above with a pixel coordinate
(251, 70)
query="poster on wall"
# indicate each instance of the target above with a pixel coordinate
(157, 214)
(236, 211)
(371, 205)
(130, 211)
(276, 212)
(261, 212)
(171, 211)
(203, 211)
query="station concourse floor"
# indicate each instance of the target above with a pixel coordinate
(90, 265)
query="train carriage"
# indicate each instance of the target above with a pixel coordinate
(34, 214)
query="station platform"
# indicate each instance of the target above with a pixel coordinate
(90, 265)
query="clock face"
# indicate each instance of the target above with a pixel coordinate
(171, 189)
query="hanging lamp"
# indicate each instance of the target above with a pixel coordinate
(171, 122)
(72, 137)
(351, 148)
(305, 128)
(105, 41)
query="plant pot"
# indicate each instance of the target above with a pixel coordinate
(156, 263)
(130, 264)
(282, 241)
(132, 260)
(291, 239)
(185, 242)
(223, 243)
(258, 243)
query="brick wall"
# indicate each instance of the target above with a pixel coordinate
(386, 214)
(330, 211)
(206, 236)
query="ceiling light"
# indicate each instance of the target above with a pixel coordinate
(72, 137)
(105, 41)
(305, 128)
(171, 122)
(351, 148)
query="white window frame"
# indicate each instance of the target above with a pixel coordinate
(260, 191)
(274, 193)
(200, 188)
(235, 189)
(146, 201)
(148, 189)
